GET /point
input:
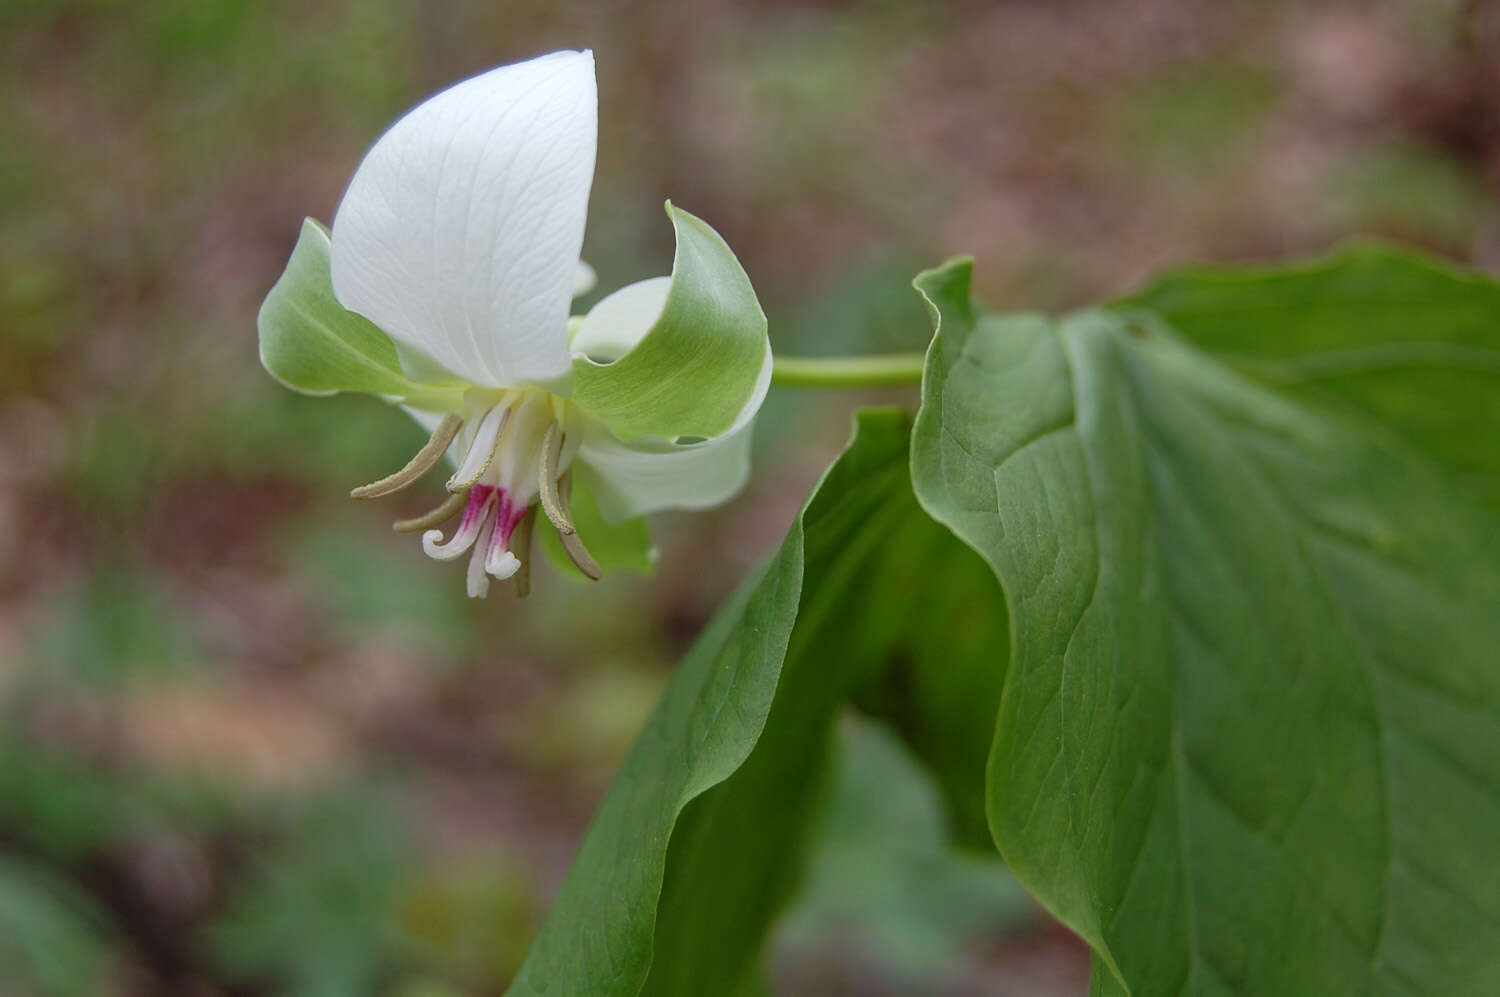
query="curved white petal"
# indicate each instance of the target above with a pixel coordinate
(460, 232)
(630, 480)
(613, 326)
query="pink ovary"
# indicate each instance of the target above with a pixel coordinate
(508, 516)
(474, 512)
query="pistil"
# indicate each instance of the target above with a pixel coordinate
(481, 449)
(513, 460)
(499, 562)
(476, 520)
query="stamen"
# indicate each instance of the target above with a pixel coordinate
(577, 552)
(580, 556)
(554, 504)
(426, 459)
(476, 516)
(481, 449)
(436, 517)
(476, 581)
(521, 544)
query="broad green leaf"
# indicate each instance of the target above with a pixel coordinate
(884, 883)
(1370, 328)
(312, 344)
(1250, 728)
(700, 363)
(935, 606)
(703, 834)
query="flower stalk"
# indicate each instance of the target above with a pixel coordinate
(882, 370)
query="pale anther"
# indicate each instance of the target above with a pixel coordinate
(572, 544)
(426, 459)
(554, 504)
(436, 517)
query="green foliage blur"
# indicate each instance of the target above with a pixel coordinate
(252, 742)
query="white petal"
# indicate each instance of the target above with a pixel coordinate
(584, 279)
(631, 480)
(613, 326)
(460, 232)
(420, 367)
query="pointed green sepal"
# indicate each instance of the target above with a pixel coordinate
(701, 362)
(312, 344)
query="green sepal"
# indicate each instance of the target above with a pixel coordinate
(696, 368)
(312, 344)
(616, 546)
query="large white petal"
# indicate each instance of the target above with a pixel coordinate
(630, 480)
(460, 232)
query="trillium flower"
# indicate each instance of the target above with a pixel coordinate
(445, 285)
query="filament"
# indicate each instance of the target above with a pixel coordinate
(425, 460)
(521, 544)
(436, 517)
(571, 543)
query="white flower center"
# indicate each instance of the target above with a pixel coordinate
(515, 444)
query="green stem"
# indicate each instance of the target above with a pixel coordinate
(847, 372)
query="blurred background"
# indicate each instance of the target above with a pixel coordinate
(251, 742)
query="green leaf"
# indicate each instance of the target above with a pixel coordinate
(884, 884)
(703, 834)
(1250, 730)
(936, 608)
(312, 344)
(700, 363)
(624, 546)
(1369, 329)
